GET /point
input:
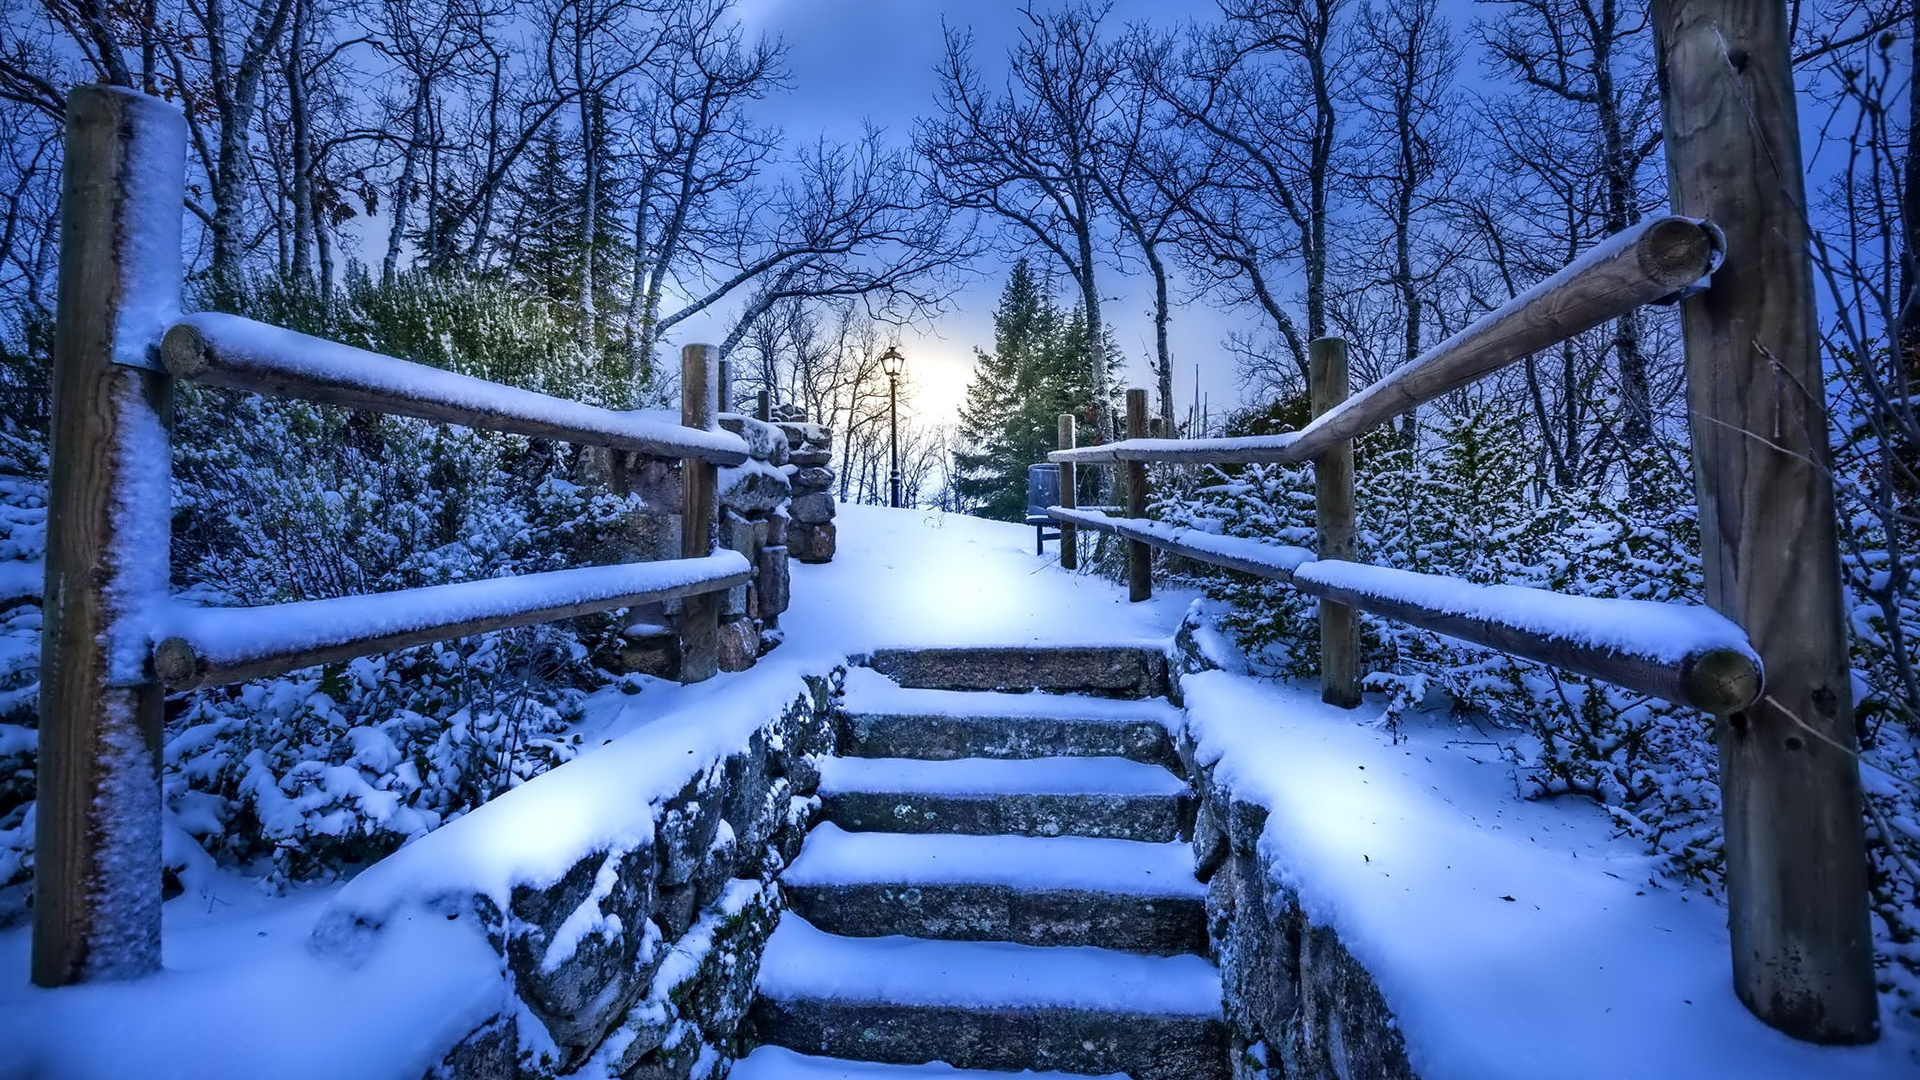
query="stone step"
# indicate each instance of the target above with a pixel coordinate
(990, 1005)
(1052, 796)
(780, 1063)
(883, 719)
(1065, 890)
(1128, 671)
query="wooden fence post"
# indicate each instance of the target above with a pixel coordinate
(763, 406)
(1139, 555)
(1790, 785)
(699, 615)
(1069, 498)
(1333, 524)
(96, 888)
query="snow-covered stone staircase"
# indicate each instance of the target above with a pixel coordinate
(999, 884)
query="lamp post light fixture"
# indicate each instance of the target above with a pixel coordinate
(894, 365)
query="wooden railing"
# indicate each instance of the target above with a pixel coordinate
(114, 643)
(1795, 859)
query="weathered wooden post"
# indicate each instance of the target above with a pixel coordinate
(699, 615)
(1069, 498)
(1139, 555)
(762, 406)
(1796, 868)
(96, 889)
(1333, 524)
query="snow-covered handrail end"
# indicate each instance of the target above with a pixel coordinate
(240, 354)
(1681, 653)
(212, 646)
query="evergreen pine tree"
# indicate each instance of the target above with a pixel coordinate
(1010, 417)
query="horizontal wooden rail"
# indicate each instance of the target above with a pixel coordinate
(240, 354)
(1649, 262)
(210, 646)
(1681, 653)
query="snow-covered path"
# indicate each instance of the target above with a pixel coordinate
(917, 577)
(243, 996)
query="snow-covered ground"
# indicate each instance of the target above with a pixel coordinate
(918, 577)
(243, 995)
(1511, 938)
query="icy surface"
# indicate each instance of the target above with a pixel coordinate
(868, 691)
(833, 856)
(803, 962)
(779, 1063)
(999, 776)
(230, 635)
(1511, 939)
(268, 347)
(1662, 632)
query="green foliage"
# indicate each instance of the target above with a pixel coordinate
(1011, 417)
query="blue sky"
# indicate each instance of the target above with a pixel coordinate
(854, 61)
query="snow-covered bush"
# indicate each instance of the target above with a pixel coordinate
(1461, 504)
(23, 544)
(318, 771)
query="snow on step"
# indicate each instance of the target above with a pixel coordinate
(998, 776)
(868, 691)
(833, 856)
(802, 962)
(779, 1063)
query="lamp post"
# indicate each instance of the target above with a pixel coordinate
(894, 364)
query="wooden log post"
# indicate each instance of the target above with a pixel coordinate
(1139, 555)
(96, 888)
(1069, 498)
(1333, 525)
(699, 615)
(1790, 784)
(763, 406)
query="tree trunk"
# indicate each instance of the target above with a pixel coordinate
(296, 75)
(403, 187)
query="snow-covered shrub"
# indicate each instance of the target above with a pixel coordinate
(1462, 504)
(325, 769)
(23, 544)
(312, 773)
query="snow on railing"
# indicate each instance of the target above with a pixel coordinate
(1647, 263)
(205, 646)
(240, 354)
(103, 676)
(1682, 653)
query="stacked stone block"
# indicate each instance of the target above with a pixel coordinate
(810, 534)
(660, 991)
(752, 499)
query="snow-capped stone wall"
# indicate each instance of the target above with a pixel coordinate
(811, 536)
(1299, 1005)
(626, 894)
(753, 499)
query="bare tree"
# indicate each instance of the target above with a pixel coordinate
(1585, 66)
(1030, 155)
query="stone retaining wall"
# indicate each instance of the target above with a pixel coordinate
(637, 959)
(1299, 1005)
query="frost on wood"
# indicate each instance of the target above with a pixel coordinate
(149, 229)
(230, 350)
